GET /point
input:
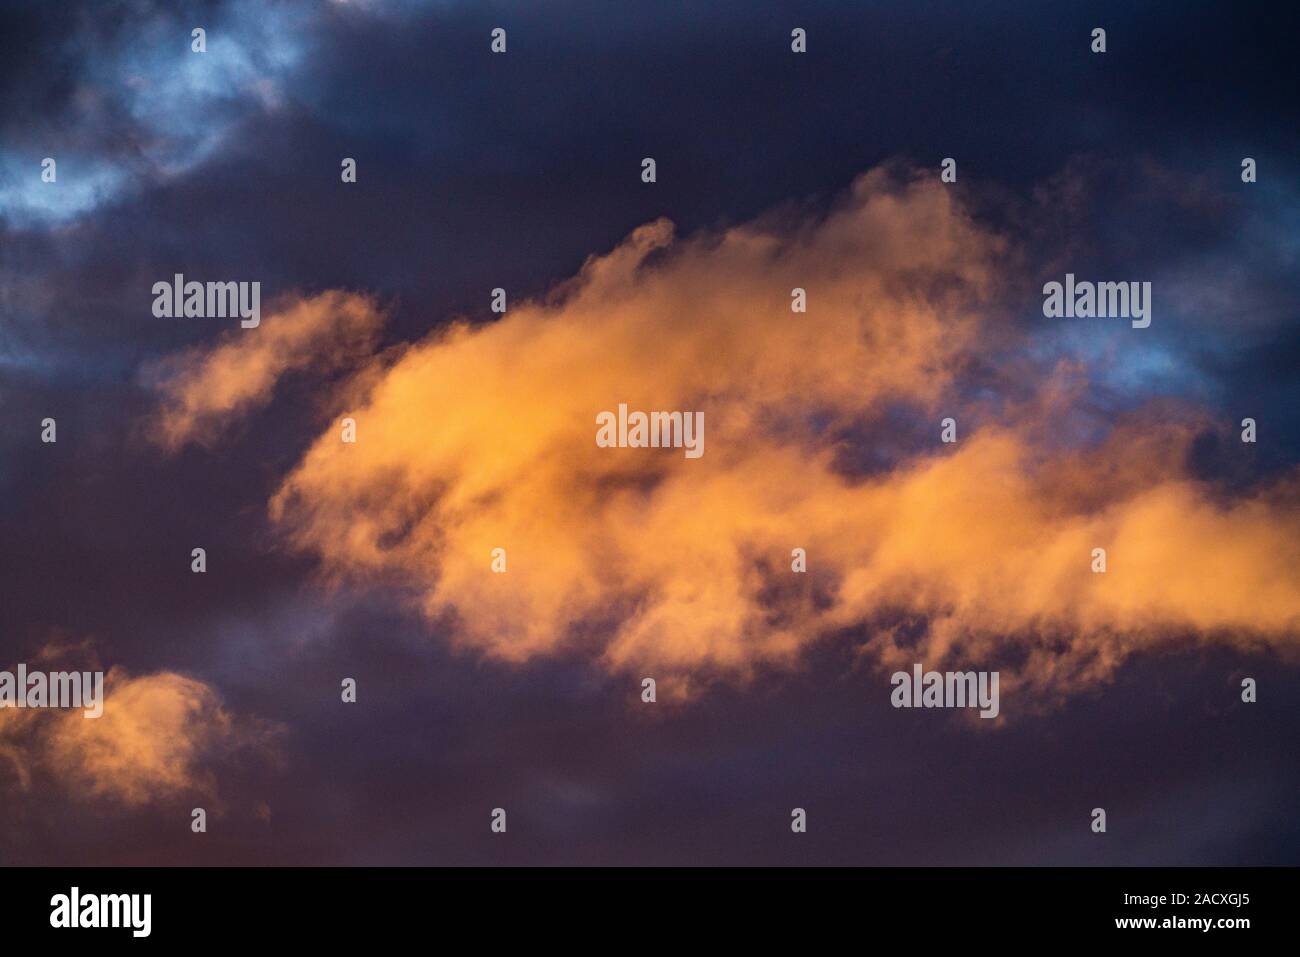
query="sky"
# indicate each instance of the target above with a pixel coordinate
(372, 560)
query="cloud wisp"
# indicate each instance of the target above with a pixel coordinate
(159, 738)
(205, 389)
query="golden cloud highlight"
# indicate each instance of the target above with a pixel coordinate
(978, 554)
(206, 388)
(155, 740)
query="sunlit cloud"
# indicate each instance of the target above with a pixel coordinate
(158, 738)
(207, 388)
(977, 553)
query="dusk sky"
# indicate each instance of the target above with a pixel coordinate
(370, 555)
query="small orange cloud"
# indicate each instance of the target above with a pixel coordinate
(205, 389)
(155, 740)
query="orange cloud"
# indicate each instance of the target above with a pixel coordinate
(205, 389)
(483, 436)
(154, 741)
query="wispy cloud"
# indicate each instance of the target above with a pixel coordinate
(140, 106)
(159, 737)
(206, 389)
